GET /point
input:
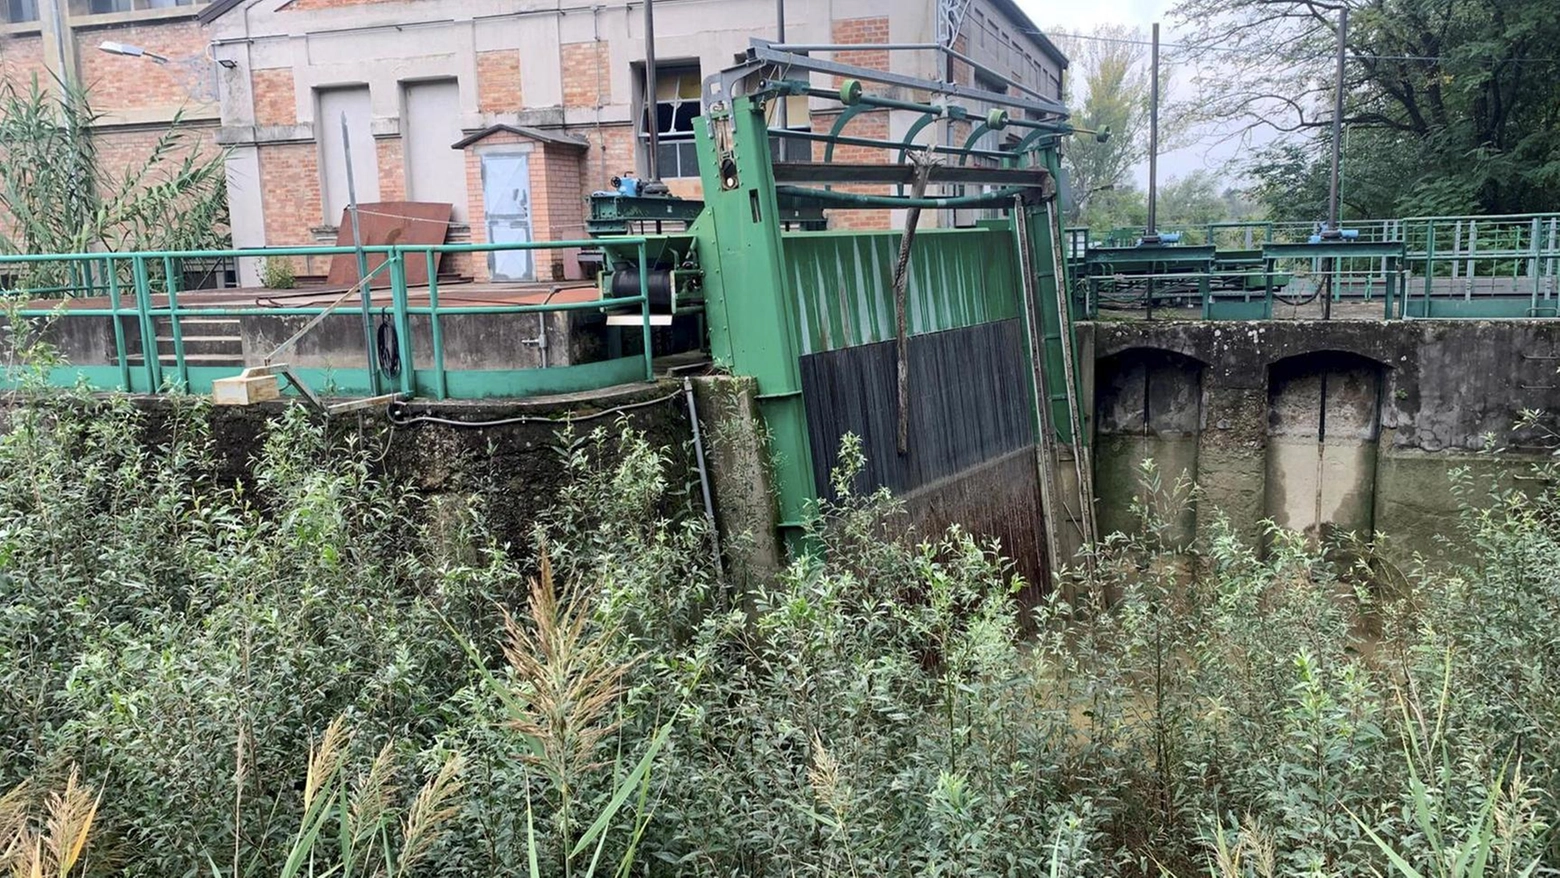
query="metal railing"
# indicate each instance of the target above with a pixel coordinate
(141, 292)
(1450, 266)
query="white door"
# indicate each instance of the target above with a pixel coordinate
(434, 172)
(506, 197)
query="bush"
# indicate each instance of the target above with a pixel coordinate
(187, 643)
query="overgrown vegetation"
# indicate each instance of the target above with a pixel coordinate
(60, 194)
(242, 679)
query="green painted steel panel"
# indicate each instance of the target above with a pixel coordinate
(494, 383)
(1477, 308)
(844, 283)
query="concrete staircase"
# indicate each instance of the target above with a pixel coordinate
(208, 341)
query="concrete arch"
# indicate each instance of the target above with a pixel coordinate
(1148, 404)
(1324, 425)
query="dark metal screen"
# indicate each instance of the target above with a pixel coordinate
(970, 402)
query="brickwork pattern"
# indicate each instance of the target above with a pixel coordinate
(21, 60)
(587, 69)
(118, 83)
(274, 96)
(290, 198)
(498, 81)
(308, 5)
(392, 168)
(860, 30)
(557, 202)
(871, 125)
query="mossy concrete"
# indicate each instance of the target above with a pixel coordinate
(1406, 402)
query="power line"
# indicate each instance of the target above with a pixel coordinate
(1244, 51)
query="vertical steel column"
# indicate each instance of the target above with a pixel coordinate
(143, 305)
(402, 322)
(441, 388)
(179, 362)
(754, 322)
(1153, 144)
(1333, 207)
(364, 286)
(652, 114)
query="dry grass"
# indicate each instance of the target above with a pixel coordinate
(569, 676)
(51, 843)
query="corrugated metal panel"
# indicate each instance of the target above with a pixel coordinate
(843, 283)
(970, 403)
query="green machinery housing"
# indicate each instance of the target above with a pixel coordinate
(948, 350)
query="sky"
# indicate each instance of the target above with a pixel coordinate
(1082, 16)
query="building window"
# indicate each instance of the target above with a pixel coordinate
(676, 106)
(792, 149)
(18, 11)
(106, 7)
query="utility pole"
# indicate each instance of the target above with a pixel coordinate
(1152, 232)
(1333, 207)
(780, 38)
(652, 109)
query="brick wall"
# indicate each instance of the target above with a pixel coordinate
(290, 193)
(587, 74)
(118, 83)
(498, 81)
(557, 200)
(873, 124)
(392, 168)
(274, 96)
(860, 30)
(21, 59)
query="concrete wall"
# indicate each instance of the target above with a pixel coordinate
(1351, 425)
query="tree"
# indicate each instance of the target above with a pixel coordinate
(57, 196)
(1114, 70)
(1451, 106)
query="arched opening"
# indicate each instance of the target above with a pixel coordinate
(1148, 405)
(1324, 418)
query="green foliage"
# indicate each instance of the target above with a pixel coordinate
(885, 705)
(1450, 107)
(57, 195)
(277, 273)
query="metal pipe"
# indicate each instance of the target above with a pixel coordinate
(1333, 207)
(1153, 136)
(850, 47)
(885, 144)
(893, 201)
(779, 37)
(652, 110)
(362, 261)
(704, 475)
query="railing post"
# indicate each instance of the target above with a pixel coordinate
(441, 388)
(403, 322)
(120, 348)
(1429, 263)
(172, 285)
(143, 305)
(644, 311)
(1533, 248)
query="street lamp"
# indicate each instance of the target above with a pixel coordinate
(130, 51)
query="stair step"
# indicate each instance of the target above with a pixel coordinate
(167, 359)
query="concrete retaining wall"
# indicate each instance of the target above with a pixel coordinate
(1317, 425)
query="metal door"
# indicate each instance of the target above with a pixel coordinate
(506, 197)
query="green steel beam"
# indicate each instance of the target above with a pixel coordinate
(754, 326)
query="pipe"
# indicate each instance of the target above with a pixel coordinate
(1153, 137)
(780, 37)
(1333, 207)
(855, 199)
(369, 346)
(652, 111)
(704, 479)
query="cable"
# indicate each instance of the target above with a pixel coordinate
(393, 412)
(389, 348)
(1245, 51)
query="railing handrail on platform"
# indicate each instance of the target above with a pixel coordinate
(149, 376)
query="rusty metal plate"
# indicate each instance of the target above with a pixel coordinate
(387, 223)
